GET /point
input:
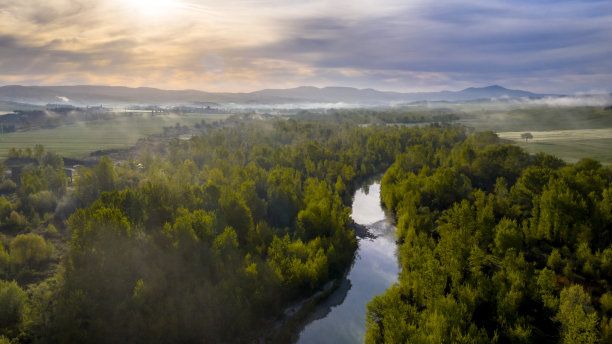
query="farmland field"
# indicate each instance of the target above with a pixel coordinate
(79, 139)
(570, 145)
(535, 118)
(571, 133)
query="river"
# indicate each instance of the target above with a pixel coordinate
(341, 318)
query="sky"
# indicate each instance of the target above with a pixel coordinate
(240, 46)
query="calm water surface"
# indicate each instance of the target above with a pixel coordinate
(341, 319)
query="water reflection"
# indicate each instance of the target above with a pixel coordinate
(366, 205)
(341, 319)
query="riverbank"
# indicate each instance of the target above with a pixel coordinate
(340, 318)
(336, 313)
(296, 316)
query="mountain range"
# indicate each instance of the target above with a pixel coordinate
(121, 96)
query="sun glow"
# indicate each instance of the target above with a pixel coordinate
(151, 8)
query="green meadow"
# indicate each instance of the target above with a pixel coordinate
(598, 149)
(534, 118)
(571, 133)
(570, 145)
(79, 139)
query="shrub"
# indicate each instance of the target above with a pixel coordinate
(43, 202)
(606, 302)
(4, 260)
(30, 249)
(51, 231)
(12, 308)
(7, 186)
(15, 221)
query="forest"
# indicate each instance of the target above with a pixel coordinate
(196, 241)
(496, 246)
(209, 239)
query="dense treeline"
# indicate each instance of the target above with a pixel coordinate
(400, 115)
(496, 246)
(204, 240)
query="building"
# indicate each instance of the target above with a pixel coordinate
(16, 165)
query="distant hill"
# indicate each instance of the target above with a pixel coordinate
(348, 94)
(121, 96)
(494, 91)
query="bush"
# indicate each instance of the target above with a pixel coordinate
(12, 308)
(4, 260)
(30, 249)
(5, 208)
(43, 202)
(606, 302)
(51, 231)
(15, 221)
(7, 187)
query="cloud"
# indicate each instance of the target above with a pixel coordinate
(412, 43)
(595, 100)
(239, 45)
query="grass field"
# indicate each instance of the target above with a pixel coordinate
(80, 139)
(570, 145)
(537, 118)
(571, 133)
